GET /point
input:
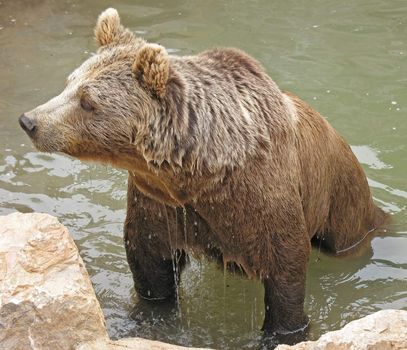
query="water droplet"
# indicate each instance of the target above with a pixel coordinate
(184, 210)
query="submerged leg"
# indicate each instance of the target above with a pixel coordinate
(284, 305)
(155, 261)
(284, 294)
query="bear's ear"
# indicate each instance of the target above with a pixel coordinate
(108, 29)
(152, 67)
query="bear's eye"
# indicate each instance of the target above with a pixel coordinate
(85, 104)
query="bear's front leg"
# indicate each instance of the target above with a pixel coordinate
(284, 287)
(286, 248)
(150, 234)
(281, 256)
(265, 231)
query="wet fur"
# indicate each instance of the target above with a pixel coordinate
(221, 163)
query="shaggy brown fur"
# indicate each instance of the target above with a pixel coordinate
(221, 163)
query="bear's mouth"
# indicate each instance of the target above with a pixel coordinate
(45, 146)
(43, 141)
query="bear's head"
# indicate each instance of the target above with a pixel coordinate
(110, 103)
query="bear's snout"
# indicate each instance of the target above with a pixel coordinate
(29, 125)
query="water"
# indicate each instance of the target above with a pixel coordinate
(346, 58)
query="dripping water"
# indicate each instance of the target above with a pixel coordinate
(184, 211)
(175, 263)
(224, 290)
(254, 314)
(244, 303)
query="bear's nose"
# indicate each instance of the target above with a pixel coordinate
(28, 125)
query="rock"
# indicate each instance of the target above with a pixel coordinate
(46, 298)
(131, 344)
(383, 330)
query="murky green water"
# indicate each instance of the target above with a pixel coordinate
(347, 58)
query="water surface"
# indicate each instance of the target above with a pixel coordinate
(346, 58)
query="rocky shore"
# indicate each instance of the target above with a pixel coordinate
(47, 300)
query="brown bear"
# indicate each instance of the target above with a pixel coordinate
(221, 163)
